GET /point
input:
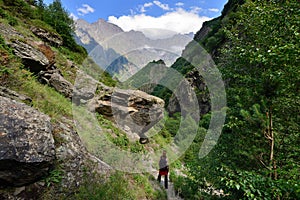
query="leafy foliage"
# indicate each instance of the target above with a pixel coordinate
(257, 156)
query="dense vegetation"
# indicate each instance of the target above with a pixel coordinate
(256, 47)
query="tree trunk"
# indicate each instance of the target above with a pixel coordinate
(273, 173)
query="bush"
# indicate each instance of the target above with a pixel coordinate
(252, 185)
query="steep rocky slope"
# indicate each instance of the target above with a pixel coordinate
(42, 155)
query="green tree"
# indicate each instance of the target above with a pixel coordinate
(260, 62)
(58, 17)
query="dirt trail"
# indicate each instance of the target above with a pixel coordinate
(171, 192)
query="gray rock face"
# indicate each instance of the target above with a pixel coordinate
(55, 79)
(84, 88)
(74, 156)
(197, 82)
(26, 144)
(202, 33)
(99, 30)
(114, 50)
(34, 59)
(51, 38)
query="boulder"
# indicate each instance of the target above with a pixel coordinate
(74, 157)
(32, 58)
(133, 111)
(130, 109)
(49, 37)
(27, 148)
(55, 79)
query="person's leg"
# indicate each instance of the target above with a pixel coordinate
(166, 181)
(159, 178)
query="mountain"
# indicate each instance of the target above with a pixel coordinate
(97, 31)
(124, 53)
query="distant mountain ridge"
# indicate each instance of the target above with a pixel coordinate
(122, 53)
(98, 31)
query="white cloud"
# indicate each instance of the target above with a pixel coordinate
(214, 9)
(85, 9)
(73, 16)
(195, 9)
(161, 5)
(178, 21)
(146, 5)
(179, 4)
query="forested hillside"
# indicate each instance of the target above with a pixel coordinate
(256, 47)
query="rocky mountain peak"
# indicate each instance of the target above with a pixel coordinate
(99, 30)
(108, 45)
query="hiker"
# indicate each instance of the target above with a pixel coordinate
(163, 168)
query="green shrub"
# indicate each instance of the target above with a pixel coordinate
(54, 177)
(252, 185)
(12, 21)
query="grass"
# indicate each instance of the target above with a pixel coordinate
(47, 99)
(119, 137)
(8, 17)
(120, 186)
(73, 56)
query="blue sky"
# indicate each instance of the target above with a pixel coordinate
(175, 15)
